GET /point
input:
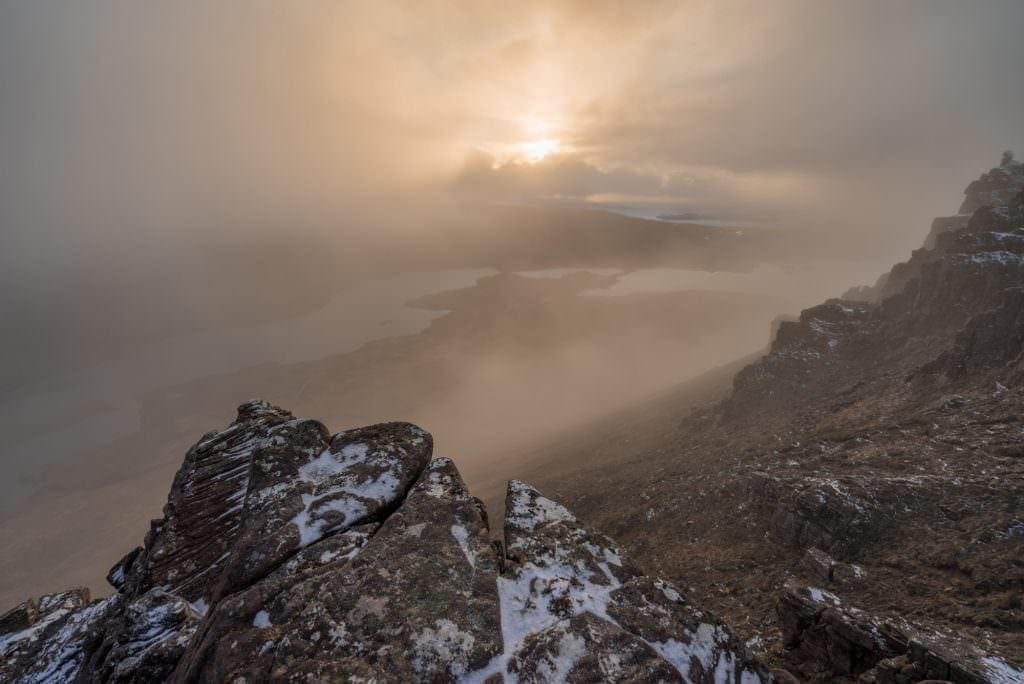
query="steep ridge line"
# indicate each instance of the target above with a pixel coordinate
(873, 452)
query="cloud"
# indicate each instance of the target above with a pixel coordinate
(156, 120)
(560, 176)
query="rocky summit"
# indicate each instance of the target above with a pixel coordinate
(289, 554)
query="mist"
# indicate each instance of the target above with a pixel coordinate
(128, 129)
(205, 202)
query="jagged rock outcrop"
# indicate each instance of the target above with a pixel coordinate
(288, 554)
(992, 339)
(809, 512)
(952, 309)
(882, 439)
(801, 350)
(574, 610)
(996, 188)
(839, 640)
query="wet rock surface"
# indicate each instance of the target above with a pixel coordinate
(288, 554)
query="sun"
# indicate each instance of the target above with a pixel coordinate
(535, 151)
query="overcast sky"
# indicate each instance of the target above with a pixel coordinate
(121, 119)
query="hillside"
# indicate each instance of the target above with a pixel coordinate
(874, 452)
(850, 512)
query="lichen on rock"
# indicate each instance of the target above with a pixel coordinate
(288, 554)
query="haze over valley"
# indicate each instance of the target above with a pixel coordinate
(674, 264)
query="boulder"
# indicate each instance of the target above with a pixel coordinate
(823, 568)
(574, 587)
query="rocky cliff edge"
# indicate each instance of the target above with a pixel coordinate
(289, 554)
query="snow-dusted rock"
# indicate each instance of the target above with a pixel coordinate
(27, 627)
(950, 309)
(829, 514)
(823, 568)
(996, 187)
(285, 554)
(304, 487)
(144, 638)
(570, 604)
(54, 647)
(586, 648)
(827, 639)
(991, 339)
(187, 550)
(416, 602)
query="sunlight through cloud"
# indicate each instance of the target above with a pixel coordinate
(535, 151)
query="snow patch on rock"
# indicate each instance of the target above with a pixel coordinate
(461, 535)
(441, 647)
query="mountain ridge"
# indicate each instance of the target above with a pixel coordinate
(851, 511)
(872, 452)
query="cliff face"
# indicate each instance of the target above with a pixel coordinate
(854, 507)
(904, 409)
(995, 189)
(947, 311)
(288, 554)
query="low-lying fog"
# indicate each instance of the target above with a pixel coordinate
(491, 361)
(497, 221)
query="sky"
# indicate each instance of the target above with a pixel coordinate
(126, 123)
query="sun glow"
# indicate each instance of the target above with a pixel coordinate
(532, 140)
(535, 151)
